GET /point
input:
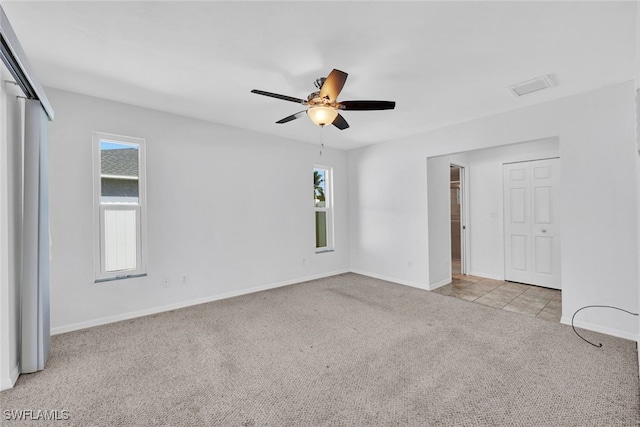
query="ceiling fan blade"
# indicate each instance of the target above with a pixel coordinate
(278, 96)
(292, 117)
(340, 122)
(333, 85)
(366, 105)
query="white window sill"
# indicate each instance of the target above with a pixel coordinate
(123, 277)
(324, 251)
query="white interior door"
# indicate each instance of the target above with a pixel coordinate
(531, 222)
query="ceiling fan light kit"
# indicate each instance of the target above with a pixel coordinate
(322, 116)
(323, 105)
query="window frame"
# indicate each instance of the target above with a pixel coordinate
(100, 208)
(328, 208)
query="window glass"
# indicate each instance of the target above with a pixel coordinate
(319, 187)
(323, 208)
(321, 229)
(120, 239)
(119, 172)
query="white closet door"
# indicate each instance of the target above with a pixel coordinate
(531, 222)
(35, 343)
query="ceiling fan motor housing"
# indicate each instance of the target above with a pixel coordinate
(314, 99)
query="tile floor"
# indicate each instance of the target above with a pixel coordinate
(534, 301)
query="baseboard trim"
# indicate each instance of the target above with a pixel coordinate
(189, 303)
(9, 382)
(439, 284)
(486, 275)
(601, 329)
(390, 279)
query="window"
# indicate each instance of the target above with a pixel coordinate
(323, 206)
(119, 189)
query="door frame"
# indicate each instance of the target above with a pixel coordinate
(465, 253)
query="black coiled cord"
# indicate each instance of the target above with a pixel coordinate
(596, 306)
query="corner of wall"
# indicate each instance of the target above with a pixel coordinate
(436, 285)
(392, 279)
(10, 381)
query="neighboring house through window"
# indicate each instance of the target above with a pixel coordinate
(120, 205)
(323, 206)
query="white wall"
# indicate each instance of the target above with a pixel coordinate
(231, 209)
(10, 228)
(439, 221)
(387, 210)
(596, 131)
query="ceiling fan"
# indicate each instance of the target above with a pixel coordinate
(323, 105)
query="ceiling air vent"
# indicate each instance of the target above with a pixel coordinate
(533, 85)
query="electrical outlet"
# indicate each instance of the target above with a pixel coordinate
(410, 264)
(185, 279)
(165, 282)
(304, 261)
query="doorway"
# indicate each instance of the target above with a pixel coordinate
(482, 254)
(457, 217)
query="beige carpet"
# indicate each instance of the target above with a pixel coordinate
(344, 351)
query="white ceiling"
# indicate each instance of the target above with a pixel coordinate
(442, 62)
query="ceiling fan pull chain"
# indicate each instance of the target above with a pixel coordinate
(321, 139)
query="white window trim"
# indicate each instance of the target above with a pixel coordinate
(99, 208)
(328, 183)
